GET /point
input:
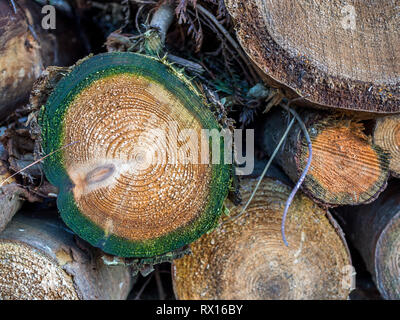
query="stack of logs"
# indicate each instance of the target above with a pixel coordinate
(350, 97)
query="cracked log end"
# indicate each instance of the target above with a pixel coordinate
(246, 258)
(340, 55)
(125, 186)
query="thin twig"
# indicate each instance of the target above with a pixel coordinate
(228, 37)
(302, 177)
(143, 2)
(161, 293)
(187, 64)
(37, 161)
(304, 173)
(137, 18)
(264, 172)
(143, 287)
(13, 6)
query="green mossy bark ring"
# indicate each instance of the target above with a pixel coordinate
(131, 182)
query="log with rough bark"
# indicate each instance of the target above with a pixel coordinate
(246, 258)
(374, 229)
(40, 259)
(333, 53)
(387, 136)
(10, 192)
(26, 49)
(132, 176)
(346, 168)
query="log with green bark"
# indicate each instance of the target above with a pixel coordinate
(131, 180)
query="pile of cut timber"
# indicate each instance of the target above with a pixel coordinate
(115, 133)
(325, 55)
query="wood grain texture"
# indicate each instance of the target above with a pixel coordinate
(41, 260)
(387, 136)
(246, 258)
(339, 54)
(11, 194)
(374, 229)
(346, 168)
(137, 179)
(26, 49)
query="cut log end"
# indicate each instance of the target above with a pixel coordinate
(104, 167)
(27, 48)
(326, 50)
(346, 168)
(41, 260)
(133, 181)
(10, 195)
(387, 136)
(374, 230)
(27, 274)
(387, 259)
(246, 258)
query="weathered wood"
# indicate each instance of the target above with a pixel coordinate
(246, 258)
(26, 49)
(387, 136)
(374, 229)
(333, 53)
(10, 193)
(41, 259)
(346, 168)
